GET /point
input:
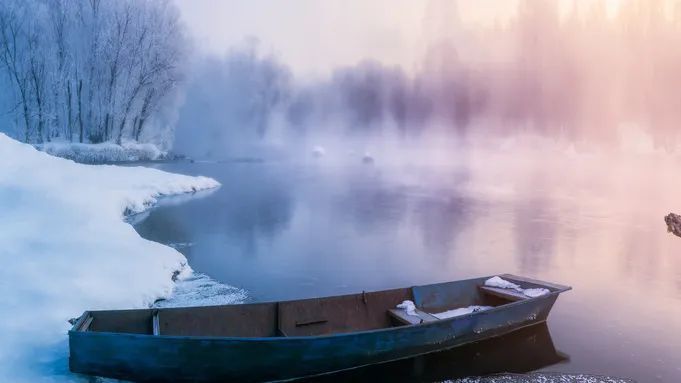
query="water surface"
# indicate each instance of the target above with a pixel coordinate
(287, 230)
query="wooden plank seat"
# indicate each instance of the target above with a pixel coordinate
(507, 294)
(402, 317)
(155, 325)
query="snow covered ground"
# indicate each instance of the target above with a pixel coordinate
(546, 377)
(65, 248)
(102, 153)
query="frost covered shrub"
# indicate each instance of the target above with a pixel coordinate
(88, 71)
(104, 152)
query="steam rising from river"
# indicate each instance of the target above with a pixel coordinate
(582, 75)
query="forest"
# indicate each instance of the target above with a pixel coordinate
(88, 70)
(108, 71)
(570, 70)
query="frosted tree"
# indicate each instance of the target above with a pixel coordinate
(89, 70)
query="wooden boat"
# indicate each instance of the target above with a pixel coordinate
(293, 339)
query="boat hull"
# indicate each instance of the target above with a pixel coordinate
(141, 357)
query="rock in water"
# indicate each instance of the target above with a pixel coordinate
(673, 222)
(318, 151)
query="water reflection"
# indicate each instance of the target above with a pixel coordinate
(534, 235)
(254, 212)
(288, 231)
(440, 220)
(526, 350)
(251, 209)
(370, 203)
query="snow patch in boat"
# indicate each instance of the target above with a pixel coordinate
(460, 311)
(408, 306)
(501, 283)
(533, 293)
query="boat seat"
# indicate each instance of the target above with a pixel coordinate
(339, 314)
(402, 317)
(155, 326)
(507, 294)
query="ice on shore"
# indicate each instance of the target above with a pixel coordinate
(66, 249)
(201, 290)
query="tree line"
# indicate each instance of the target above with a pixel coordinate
(580, 72)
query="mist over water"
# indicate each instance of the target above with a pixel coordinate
(586, 73)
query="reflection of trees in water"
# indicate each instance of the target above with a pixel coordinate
(535, 226)
(371, 204)
(441, 220)
(254, 209)
(160, 225)
(439, 213)
(675, 261)
(638, 250)
(254, 205)
(264, 215)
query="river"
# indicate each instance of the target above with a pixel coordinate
(315, 227)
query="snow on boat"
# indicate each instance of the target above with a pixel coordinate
(292, 339)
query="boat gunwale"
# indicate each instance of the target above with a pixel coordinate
(558, 290)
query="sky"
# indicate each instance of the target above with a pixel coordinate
(314, 36)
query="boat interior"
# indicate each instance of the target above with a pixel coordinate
(309, 317)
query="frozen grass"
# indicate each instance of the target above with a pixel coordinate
(103, 153)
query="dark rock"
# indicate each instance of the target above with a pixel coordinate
(673, 222)
(176, 273)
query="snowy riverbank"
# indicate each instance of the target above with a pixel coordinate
(65, 248)
(106, 152)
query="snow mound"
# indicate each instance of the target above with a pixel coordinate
(501, 283)
(408, 306)
(65, 249)
(533, 293)
(103, 153)
(545, 377)
(504, 284)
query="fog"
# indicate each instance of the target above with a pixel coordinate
(586, 74)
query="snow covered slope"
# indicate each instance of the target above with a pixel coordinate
(64, 248)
